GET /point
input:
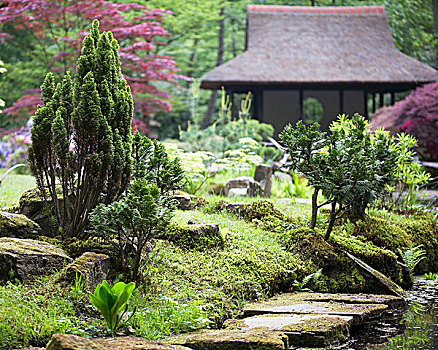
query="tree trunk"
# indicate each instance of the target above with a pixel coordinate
(192, 58)
(220, 55)
(314, 209)
(331, 222)
(435, 26)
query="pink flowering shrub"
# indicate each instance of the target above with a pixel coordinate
(417, 115)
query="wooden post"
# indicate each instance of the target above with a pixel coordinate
(341, 101)
(392, 98)
(365, 104)
(381, 100)
(374, 101)
(301, 104)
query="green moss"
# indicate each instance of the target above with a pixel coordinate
(197, 236)
(339, 272)
(28, 246)
(17, 225)
(380, 259)
(394, 231)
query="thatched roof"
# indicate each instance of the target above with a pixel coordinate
(299, 46)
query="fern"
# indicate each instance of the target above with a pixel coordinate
(412, 256)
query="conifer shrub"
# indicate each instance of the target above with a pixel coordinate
(350, 166)
(131, 223)
(81, 136)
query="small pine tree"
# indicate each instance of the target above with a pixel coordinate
(81, 136)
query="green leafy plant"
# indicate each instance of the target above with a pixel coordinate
(409, 175)
(413, 256)
(78, 288)
(430, 276)
(112, 302)
(81, 136)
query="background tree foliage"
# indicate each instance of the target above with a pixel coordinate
(196, 43)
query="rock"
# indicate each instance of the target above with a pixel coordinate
(257, 339)
(392, 301)
(376, 278)
(263, 174)
(288, 303)
(91, 266)
(32, 205)
(187, 201)
(301, 329)
(71, 342)
(247, 185)
(135, 343)
(17, 225)
(27, 258)
(197, 236)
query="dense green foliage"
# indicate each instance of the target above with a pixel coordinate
(81, 135)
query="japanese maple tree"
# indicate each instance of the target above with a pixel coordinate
(60, 27)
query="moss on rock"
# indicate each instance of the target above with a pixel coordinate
(339, 273)
(17, 225)
(232, 340)
(194, 236)
(26, 258)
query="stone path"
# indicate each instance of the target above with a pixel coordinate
(287, 320)
(300, 319)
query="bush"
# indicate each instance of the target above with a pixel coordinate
(350, 166)
(81, 135)
(130, 223)
(417, 115)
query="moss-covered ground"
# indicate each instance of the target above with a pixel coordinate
(262, 249)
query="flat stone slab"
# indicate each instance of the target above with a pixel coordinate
(301, 329)
(390, 300)
(135, 343)
(74, 342)
(255, 339)
(292, 303)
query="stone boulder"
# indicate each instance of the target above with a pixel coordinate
(243, 186)
(91, 266)
(26, 258)
(35, 208)
(198, 236)
(263, 174)
(187, 201)
(17, 225)
(378, 280)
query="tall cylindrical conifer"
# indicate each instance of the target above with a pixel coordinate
(81, 137)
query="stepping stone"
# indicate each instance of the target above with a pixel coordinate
(289, 303)
(301, 329)
(255, 339)
(135, 343)
(392, 301)
(74, 342)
